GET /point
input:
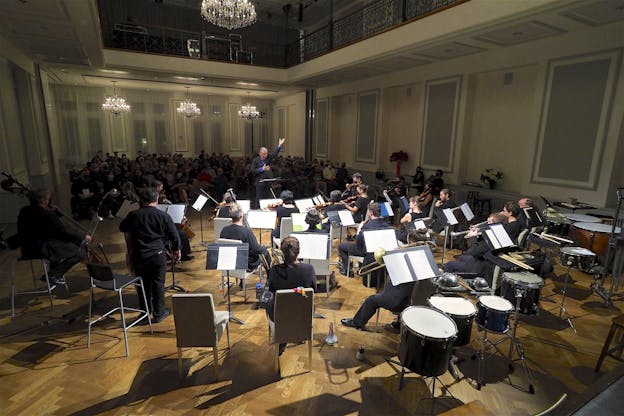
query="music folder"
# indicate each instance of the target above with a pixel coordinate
(199, 202)
(404, 204)
(410, 264)
(533, 217)
(175, 211)
(386, 209)
(497, 238)
(227, 256)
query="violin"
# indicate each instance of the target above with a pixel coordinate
(350, 199)
(324, 205)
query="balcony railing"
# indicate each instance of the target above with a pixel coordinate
(374, 18)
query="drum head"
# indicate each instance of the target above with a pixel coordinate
(577, 251)
(496, 302)
(524, 278)
(452, 305)
(429, 323)
(596, 227)
(582, 218)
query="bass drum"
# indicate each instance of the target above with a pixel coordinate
(461, 310)
(427, 339)
(593, 236)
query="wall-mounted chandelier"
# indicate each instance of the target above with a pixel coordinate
(229, 14)
(115, 104)
(188, 108)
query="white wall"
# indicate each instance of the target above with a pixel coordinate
(294, 106)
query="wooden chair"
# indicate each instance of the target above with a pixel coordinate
(293, 320)
(198, 324)
(102, 277)
(617, 325)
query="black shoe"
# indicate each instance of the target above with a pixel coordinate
(282, 348)
(160, 318)
(350, 323)
(187, 258)
(54, 280)
(392, 328)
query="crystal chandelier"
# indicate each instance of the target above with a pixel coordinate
(115, 104)
(249, 112)
(188, 108)
(229, 14)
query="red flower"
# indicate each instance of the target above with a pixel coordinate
(399, 156)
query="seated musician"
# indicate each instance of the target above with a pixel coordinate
(314, 221)
(43, 235)
(524, 203)
(284, 210)
(224, 210)
(441, 204)
(359, 207)
(393, 298)
(426, 197)
(358, 248)
(415, 212)
(185, 242)
(472, 260)
(289, 275)
(237, 231)
(351, 188)
(511, 211)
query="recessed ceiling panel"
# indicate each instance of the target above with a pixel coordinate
(519, 33)
(449, 50)
(598, 13)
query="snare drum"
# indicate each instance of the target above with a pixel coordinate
(558, 225)
(577, 257)
(528, 284)
(493, 313)
(427, 338)
(461, 310)
(592, 236)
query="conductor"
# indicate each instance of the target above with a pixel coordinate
(261, 169)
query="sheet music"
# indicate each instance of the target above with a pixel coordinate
(346, 218)
(420, 265)
(245, 205)
(501, 235)
(321, 198)
(162, 207)
(493, 239)
(375, 239)
(465, 209)
(398, 270)
(298, 221)
(227, 258)
(317, 200)
(261, 219)
(199, 203)
(386, 209)
(420, 225)
(312, 246)
(264, 203)
(450, 217)
(126, 208)
(176, 212)
(304, 204)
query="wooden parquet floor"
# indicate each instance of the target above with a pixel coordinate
(46, 367)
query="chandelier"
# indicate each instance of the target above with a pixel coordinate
(188, 108)
(115, 104)
(229, 14)
(249, 112)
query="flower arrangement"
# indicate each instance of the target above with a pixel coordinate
(491, 177)
(399, 157)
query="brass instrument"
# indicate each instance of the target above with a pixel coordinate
(376, 265)
(277, 256)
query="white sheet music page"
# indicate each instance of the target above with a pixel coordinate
(501, 235)
(465, 209)
(375, 239)
(317, 200)
(245, 205)
(227, 258)
(199, 203)
(397, 268)
(162, 207)
(264, 203)
(312, 246)
(420, 225)
(304, 204)
(420, 265)
(346, 218)
(261, 219)
(493, 238)
(298, 221)
(176, 212)
(450, 217)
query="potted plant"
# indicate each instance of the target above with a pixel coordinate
(399, 157)
(491, 177)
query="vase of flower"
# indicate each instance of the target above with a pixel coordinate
(399, 157)
(491, 177)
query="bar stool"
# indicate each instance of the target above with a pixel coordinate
(616, 351)
(36, 290)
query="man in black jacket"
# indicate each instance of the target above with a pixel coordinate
(146, 231)
(237, 231)
(43, 235)
(261, 170)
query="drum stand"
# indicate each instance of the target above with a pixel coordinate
(562, 308)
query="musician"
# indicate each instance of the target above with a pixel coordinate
(524, 203)
(84, 190)
(314, 221)
(393, 298)
(415, 212)
(358, 248)
(419, 179)
(511, 211)
(286, 209)
(444, 202)
(289, 275)
(147, 230)
(351, 188)
(43, 235)
(426, 197)
(358, 209)
(261, 169)
(334, 199)
(224, 210)
(472, 260)
(185, 242)
(237, 231)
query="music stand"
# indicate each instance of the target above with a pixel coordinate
(379, 239)
(198, 205)
(228, 256)
(450, 220)
(270, 181)
(176, 212)
(261, 220)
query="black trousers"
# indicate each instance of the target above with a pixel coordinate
(345, 250)
(152, 271)
(62, 256)
(393, 298)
